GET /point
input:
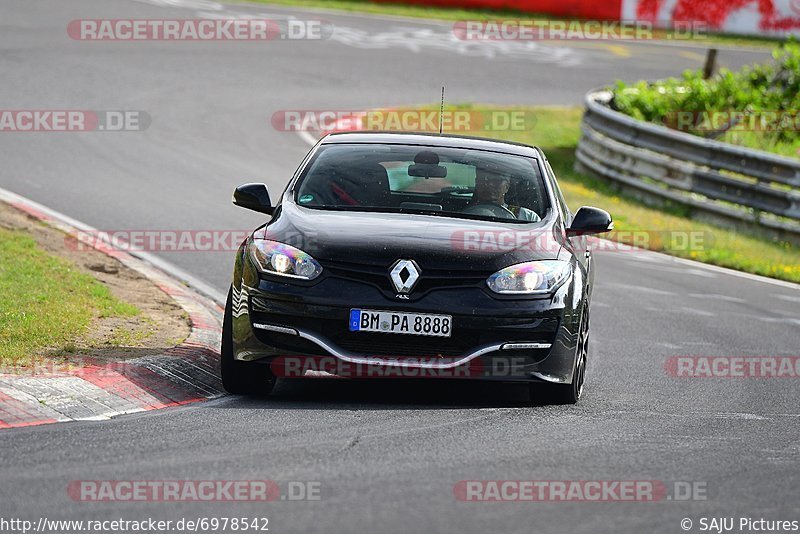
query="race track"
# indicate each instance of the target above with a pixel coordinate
(386, 456)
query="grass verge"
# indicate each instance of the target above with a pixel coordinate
(454, 14)
(46, 301)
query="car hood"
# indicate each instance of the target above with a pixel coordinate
(379, 239)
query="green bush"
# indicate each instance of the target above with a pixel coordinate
(768, 95)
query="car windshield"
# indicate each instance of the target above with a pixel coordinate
(453, 182)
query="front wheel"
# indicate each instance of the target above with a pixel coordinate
(240, 378)
(549, 393)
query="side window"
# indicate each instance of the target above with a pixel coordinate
(566, 214)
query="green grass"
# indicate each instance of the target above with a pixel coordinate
(760, 141)
(557, 131)
(45, 302)
(454, 14)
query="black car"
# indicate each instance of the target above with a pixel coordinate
(396, 254)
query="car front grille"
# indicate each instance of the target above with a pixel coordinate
(429, 279)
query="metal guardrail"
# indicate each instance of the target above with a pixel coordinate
(725, 183)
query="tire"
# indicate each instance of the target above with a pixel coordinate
(241, 378)
(549, 393)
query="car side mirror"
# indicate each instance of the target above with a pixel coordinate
(253, 197)
(590, 220)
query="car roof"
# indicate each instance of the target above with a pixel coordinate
(431, 139)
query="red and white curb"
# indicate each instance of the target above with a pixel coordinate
(180, 375)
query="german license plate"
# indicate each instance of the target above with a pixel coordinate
(386, 322)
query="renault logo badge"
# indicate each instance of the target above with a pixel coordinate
(404, 275)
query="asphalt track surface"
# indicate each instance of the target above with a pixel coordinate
(386, 455)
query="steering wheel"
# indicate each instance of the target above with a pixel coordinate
(493, 210)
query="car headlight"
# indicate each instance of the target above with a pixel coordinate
(530, 278)
(284, 260)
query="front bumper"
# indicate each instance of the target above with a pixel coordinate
(492, 339)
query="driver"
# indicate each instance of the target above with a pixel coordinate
(491, 187)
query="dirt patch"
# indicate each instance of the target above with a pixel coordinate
(160, 325)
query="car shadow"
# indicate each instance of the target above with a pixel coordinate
(388, 394)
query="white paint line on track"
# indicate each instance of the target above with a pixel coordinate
(714, 296)
(779, 320)
(730, 272)
(716, 415)
(307, 137)
(694, 311)
(643, 289)
(667, 269)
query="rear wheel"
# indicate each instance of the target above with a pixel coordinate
(241, 378)
(549, 393)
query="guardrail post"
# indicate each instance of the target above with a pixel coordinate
(711, 63)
